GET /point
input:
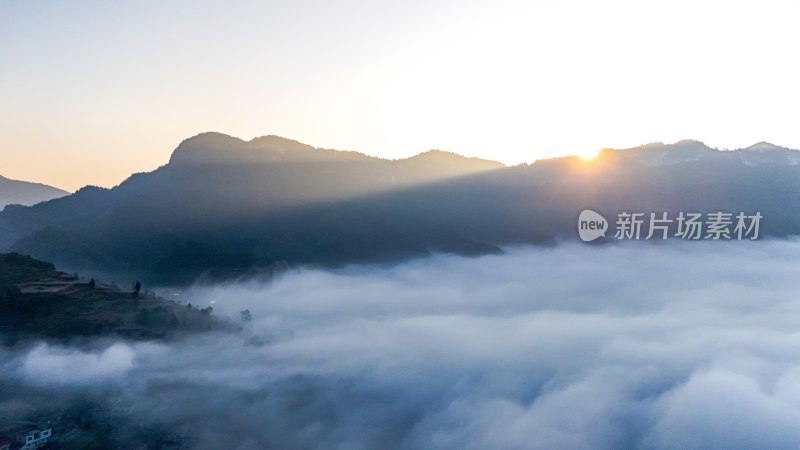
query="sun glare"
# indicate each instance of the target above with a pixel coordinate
(588, 155)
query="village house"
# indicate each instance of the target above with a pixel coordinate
(34, 439)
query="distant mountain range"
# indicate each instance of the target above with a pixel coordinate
(223, 207)
(14, 192)
(659, 154)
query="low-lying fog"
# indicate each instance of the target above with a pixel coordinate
(653, 346)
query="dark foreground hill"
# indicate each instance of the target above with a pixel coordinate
(224, 208)
(39, 302)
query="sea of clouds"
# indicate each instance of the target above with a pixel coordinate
(693, 345)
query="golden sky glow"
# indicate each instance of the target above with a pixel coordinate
(92, 92)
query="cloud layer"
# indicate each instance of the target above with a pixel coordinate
(626, 346)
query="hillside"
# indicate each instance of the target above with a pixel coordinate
(225, 208)
(39, 302)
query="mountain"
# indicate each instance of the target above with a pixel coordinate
(14, 192)
(225, 208)
(222, 205)
(658, 154)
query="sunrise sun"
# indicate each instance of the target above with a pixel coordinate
(589, 154)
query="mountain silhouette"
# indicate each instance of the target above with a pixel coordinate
(15, 192)
(224, 208)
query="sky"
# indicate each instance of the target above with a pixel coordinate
(93, 91)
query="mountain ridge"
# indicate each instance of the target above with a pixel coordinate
(246, 215)
(214, 147)
(26, 193)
